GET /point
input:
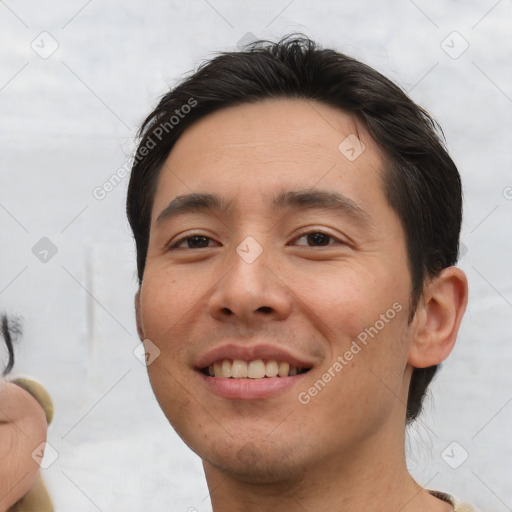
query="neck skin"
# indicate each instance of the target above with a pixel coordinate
(371, 476)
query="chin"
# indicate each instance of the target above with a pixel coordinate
(254, 459)
(251, 465)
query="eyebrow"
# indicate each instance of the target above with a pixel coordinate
(291, 200)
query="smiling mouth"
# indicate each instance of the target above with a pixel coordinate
(256, 369)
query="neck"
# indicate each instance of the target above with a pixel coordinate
(373, 477)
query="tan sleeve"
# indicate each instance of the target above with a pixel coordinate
(462, 506)
(458, 505)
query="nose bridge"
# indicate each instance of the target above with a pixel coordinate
(250, 271)
(250, 288)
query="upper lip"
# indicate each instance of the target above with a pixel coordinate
(250, 353)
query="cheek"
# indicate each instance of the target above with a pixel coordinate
(165, 301)
(169, 303)
(162, 307)
(363, 315)
(349, 300)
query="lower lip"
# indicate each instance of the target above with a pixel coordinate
(249, 389)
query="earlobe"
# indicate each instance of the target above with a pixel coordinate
(138, 316)
(438, 318)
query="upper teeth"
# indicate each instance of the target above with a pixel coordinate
(256, 369)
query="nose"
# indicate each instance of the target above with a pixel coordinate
(250, 292)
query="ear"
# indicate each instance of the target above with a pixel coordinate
(138, 316)
(438, 318)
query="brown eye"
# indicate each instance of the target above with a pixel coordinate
(317, 239)
(193, 242)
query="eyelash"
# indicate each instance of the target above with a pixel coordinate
(179, 242)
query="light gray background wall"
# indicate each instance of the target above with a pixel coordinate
(67, 123)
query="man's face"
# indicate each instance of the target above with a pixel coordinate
(320, 287)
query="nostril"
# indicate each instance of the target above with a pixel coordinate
(265, 309)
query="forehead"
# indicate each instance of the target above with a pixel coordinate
(289, 126)
(273, 145)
